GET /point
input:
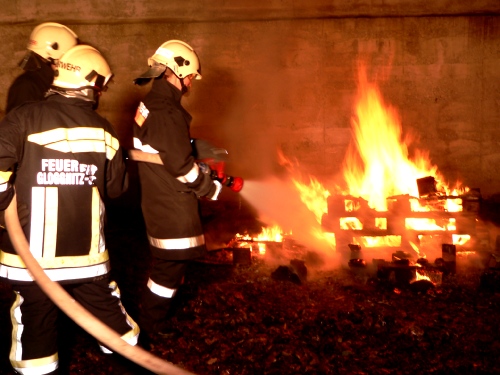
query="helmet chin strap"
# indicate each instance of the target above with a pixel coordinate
(31, 61)
(184, 88)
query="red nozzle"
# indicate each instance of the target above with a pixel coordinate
(234, 183)
(237, 184)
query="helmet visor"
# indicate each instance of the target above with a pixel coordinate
(154, 71)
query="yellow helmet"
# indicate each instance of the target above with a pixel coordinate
(176, 55)
(51, 40)
(82, 67)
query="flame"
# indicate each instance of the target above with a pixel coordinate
(421, 276)
(379, 241)
(378, 163)
(271, 234)
(257, 243)
(377, 166)
(460, 239)
(314, 196)
(274, 234)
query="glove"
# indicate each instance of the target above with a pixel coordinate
(214, 190)
(22, 211)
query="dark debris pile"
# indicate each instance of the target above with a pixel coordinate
(238, 320)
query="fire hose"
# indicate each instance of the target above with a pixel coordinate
(216, 169)
(77, 312)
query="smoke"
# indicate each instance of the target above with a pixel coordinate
(278, 203)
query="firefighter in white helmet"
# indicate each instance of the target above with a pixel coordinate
(170, 190)
(47, 43)
(62, 159)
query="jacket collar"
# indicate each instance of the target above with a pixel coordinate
(71, 101)
(163, 88)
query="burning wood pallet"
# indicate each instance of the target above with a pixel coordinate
(421, 231)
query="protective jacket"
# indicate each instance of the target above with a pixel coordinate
(32, 85)
(170, 191)
(64, 159)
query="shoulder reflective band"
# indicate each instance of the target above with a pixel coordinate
(81, 139)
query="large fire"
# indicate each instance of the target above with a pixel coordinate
(377, 166)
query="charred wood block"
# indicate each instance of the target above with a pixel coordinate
(471, 202)
(424, 262)
(426, 186)
(357, 263)
(284, 273)
(401, 257)
(449, 256)
(299, 268)
(398, 275)
(421, 286)
(401, 276)
(355, 251)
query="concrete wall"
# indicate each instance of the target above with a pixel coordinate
(283, 74)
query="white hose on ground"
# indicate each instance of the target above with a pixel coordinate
(104, 334)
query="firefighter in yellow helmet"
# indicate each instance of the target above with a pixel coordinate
(62, 159)
(47, 43)
(172, 188)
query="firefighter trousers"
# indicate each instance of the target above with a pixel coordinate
(34, 320)
(164, 280)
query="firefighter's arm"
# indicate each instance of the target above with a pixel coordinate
(172, 140)
(117, 178)
(6, 191)
(23, 212)
(11, 150)
(11, 145)
(6, 195)
(199, 181)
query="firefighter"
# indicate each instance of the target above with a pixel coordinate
(47, 43)
(172, 188)
(61, 159)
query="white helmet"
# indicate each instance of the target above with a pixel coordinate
(51, 40)
(81, 71)
(176, 55)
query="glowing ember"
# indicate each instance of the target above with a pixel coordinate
(350, 223)
(257, 243)
(421, 276)
(274, 234)
(378, 241)
(429, 224)
(460, 239)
